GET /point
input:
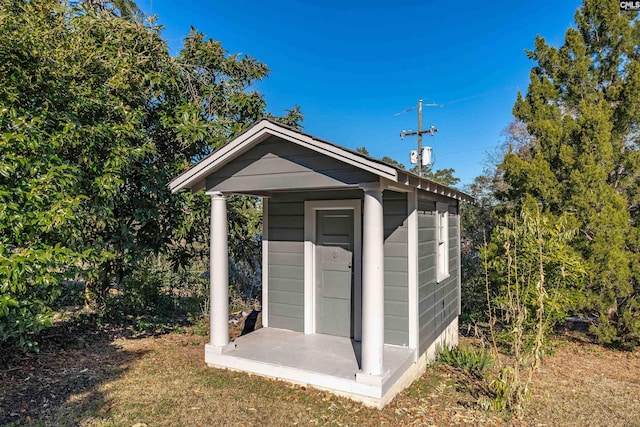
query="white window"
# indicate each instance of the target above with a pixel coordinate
(442, 238)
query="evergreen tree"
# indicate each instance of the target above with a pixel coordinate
(581, 111)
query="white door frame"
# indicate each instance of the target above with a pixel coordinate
(310, 209)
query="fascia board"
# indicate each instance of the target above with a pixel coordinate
(433, 187)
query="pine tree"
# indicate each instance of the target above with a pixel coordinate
(581, 110)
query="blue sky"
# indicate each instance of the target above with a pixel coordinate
(353, 65)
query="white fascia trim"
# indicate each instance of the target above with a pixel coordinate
(265, 262)
(412, 253)
(310, 209)
(412, 180)
(259, 133)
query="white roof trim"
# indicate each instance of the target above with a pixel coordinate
(258, 133)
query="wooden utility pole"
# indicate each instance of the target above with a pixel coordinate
(420, 132)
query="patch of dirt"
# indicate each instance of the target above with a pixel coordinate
(75, 357)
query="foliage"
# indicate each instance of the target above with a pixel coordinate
(511, 392)
(467, 358)
(538, 277)
(530, 261)
(581, 113)
(157, 292)
(442, 176)
(477, 221)
(244, 216)
(388, 160)
(363, 150)
(95, 118)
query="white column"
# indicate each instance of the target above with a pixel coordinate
(372, 282)
(219, 272)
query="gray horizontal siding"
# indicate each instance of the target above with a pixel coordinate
(286, 264)
(286, 260)
(286, 255)
(275, 164)
(396, 295)
(437, 302)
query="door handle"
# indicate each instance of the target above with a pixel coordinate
(350, 263)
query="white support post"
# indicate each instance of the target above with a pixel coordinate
(458, 252)
(265, 262)
(219, 272)
(372, 283)
(412, 265)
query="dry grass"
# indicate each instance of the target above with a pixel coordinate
(96, 379)
(587, 385)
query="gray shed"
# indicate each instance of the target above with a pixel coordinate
(361, 263)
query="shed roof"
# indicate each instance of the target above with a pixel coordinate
(195, 178)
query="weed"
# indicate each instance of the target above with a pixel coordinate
(510, 393)
(200, 324)
(466, 358)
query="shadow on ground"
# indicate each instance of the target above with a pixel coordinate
(61, 384)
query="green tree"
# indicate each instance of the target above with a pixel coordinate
(95, 118)
(478, 220)
(363, 150)
(392, 162)
(581, 111)
(443, 176)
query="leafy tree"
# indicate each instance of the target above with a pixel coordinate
(581, 111)
(443, 176)
(123, 8)
(95, 118)
(479, 219)
(363, 150)
(392, 162)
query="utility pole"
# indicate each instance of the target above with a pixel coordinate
(420, 132)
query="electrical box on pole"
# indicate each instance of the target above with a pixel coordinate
(426, 156)
(423, 156)
(413, 157)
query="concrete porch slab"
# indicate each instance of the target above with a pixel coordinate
(322, 361)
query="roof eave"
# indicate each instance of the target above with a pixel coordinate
(416, 181)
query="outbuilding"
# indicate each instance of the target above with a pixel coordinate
(360, 263)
